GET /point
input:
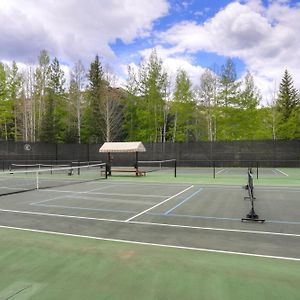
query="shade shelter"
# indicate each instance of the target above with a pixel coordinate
(123, 147)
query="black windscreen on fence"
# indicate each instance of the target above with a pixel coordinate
(197, 154)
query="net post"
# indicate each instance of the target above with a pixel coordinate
(107, 170)
(136, 163)
(37, 180)
(257, 170)
(175, 168)
(109, 163)
(214, 169)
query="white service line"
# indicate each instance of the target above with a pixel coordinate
(105, 194)
(151, 244)
(110, 200)
(46, 200)
(158, 204)
(281, 172)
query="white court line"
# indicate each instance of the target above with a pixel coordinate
(108, 200)
(152, 244)
(151, 224)
(147, 184)
(281, 172)
(105, 194)
(55, 198)
(12, 188)
(97, 189)
(158, 204)
(227, 170)
(222, 170)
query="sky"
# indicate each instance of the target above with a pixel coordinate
(260, 36)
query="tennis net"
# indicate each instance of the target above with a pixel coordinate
(167, 165)
(27, 180)
(19, 167)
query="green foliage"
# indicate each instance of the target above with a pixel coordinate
(41, 81)
(229, 87)
(14, 88)
(182, 108)
(71, 132)
(5, 105)
(93, 114)
(53, 121)
(287, 106)
(249, 97)
(37, 107)
(147, 92)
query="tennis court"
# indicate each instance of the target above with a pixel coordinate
(191, 215)
(161, 210)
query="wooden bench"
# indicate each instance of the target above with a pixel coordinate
(136, 171)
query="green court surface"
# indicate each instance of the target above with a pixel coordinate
(44, 266)
(151, 237)
(262, 176)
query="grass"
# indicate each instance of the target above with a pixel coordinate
(45, 266)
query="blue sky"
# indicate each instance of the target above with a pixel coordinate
(260, 36)
(179, 11)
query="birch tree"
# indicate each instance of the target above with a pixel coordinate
(207, 94)
(41, 82)
(111, 108)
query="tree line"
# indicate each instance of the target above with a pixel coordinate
(37, 104)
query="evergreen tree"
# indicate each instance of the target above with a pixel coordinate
(53, 122)
(287, 96)
(5, 105)
(14, 89)
(94, 116)
(287, 106)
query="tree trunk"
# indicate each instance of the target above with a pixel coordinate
(79, 118)
(175, 128)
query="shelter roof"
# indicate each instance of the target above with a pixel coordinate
(122, 147)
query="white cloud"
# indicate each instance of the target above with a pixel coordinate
(267, 39)
(72, 29)
(172, 62)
